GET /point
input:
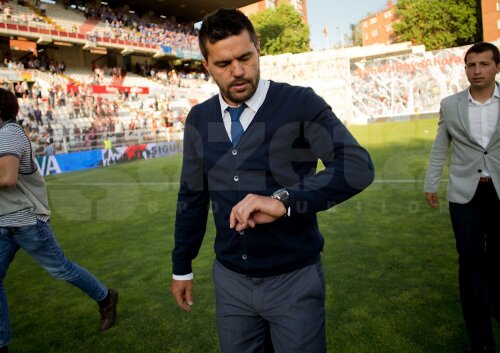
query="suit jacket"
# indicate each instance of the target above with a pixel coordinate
(468, 157)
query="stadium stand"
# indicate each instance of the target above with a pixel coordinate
(77, 106)
(85, 72)
(375, 83)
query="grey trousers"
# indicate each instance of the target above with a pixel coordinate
(292, 304)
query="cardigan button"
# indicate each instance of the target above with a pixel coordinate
(242, 232)
(479, 170)
(234, 152)
(236, 178)
(244, 256)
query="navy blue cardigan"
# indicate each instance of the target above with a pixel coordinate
(293, 128)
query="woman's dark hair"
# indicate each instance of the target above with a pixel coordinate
(8, 105)
(481, 47)
(224, 23)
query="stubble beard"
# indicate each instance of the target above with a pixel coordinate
(240, 97)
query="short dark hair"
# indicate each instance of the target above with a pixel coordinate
(221, 24)
(481, 47)
(9, 107)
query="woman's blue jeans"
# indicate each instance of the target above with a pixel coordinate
(40, 243)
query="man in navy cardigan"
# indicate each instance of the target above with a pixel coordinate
(258, 171)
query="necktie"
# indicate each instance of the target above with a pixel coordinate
(236, 127)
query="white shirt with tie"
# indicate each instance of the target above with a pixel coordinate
(253, 104)
(246, 118)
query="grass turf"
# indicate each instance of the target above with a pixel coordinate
(390, 261)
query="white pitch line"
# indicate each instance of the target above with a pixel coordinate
(401, 181)
(395, 181)
(112, 184)
(377, 181)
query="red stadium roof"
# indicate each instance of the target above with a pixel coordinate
(188, 10)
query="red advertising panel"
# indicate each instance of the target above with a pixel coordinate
(110, 89)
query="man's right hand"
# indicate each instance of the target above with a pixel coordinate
(432, 199)
(183, 293)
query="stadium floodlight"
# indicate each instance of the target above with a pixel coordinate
(131, 11)
(52, 2)
(104, 3)
(163, 16)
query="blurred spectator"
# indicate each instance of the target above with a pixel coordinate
(48, 149)
(37, 113)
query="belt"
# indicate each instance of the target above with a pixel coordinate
(485, 180)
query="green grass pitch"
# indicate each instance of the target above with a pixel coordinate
(389, 261)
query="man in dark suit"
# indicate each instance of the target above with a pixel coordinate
(251, 151)
(469, 121)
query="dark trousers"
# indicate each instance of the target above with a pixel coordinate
(288, 308)
(477, 233)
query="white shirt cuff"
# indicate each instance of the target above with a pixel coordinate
(187, 277)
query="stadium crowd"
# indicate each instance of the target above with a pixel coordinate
(82, 120)
(6, 13)
(386, 87)
(113, 23)
(410, 84)
(121, 23)
(34, 62)
(78, 118)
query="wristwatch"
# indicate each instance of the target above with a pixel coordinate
(283, 196)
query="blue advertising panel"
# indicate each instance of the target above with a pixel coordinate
(70, 162)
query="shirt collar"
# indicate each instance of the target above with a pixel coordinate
(252, 103)
(495, 94)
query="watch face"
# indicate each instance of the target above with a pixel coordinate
(282, 195)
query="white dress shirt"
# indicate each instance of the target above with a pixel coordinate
(483, 118)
